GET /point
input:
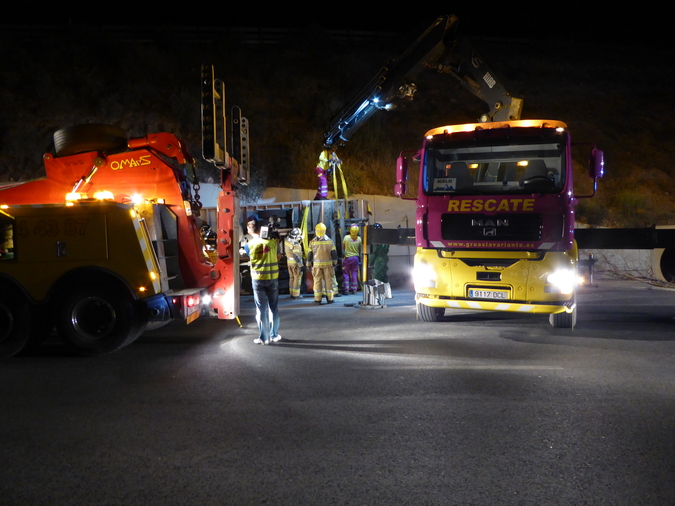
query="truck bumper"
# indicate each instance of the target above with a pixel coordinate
(521, 282)
(513, 306)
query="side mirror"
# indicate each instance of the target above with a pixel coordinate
(401, 186)
(597, 164)
(596, 169)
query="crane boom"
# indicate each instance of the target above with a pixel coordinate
(437, 48)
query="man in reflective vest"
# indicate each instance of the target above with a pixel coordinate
(351, 249)
(293, 251)
(322, 257)
(262, 252)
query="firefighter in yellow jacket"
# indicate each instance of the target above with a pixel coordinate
(322, 257)
(293, 252)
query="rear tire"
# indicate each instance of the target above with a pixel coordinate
(430, 314)
(15, 322)
(97, 320)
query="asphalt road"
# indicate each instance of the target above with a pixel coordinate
(357, 407)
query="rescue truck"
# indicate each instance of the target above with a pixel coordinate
(111, 241)
(495, 199)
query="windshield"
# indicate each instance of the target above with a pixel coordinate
(471, 168)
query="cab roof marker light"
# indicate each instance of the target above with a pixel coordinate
(530, 123)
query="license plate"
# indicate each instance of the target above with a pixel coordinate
(488, 294)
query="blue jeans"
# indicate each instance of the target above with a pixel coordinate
(266, 297)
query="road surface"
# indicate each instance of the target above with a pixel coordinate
(356, 406)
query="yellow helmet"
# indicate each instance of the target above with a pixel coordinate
(320, 229)
(354, 230)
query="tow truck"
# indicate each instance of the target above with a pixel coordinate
(111, 242)
(495, 201)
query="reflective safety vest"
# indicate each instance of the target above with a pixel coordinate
(263, 255)
(351, 247)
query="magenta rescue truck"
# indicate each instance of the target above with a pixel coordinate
(495, 219)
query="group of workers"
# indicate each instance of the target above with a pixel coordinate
(321, 258)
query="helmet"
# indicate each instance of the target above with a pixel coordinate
(377, 225)
(320, 229)
(354, 230)
(295, 233)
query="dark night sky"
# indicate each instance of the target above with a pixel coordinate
(574, 21)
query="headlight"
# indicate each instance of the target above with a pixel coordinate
(424, 276)
(563, 280)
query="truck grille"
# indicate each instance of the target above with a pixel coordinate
(498, 227)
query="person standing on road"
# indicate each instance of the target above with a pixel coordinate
(322, 257)
(293, 251)
(265, 282)
(351, 249)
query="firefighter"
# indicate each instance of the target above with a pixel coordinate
(293, 251)
(322, 258)
(351, 249)
(321, 171)
(265, 281)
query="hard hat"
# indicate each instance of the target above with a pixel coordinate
(320, 229)
(354, 230)
(377, 225)
(295, 233)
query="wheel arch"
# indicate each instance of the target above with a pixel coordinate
(10, 285)
(86, 276)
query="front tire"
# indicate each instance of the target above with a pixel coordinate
(430, 314)
(15, 323)
(97, 320)
(564, 320)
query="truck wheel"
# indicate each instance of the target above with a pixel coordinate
(83, 138)
(564, 320)
(95, 320)
(430, 314)
(15, 323)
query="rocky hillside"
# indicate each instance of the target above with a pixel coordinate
(290, 84)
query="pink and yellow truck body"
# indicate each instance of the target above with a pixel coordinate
(495, 219)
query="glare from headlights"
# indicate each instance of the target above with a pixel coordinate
(564, 280)
(424, 276)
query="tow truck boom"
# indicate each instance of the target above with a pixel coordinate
(437, 48)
